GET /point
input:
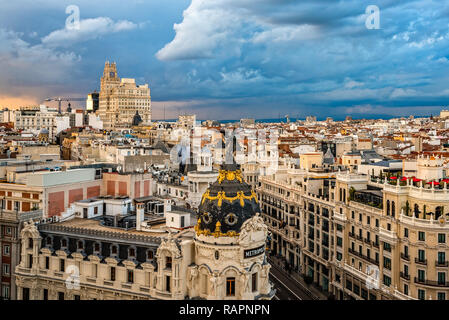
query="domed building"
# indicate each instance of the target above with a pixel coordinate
(230, 241)
(169, 257)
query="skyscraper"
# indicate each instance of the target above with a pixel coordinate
(121, 98)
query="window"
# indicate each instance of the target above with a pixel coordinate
(6, 269)
(339, 256)
(112, 274)
(421, 275)
(348, 285)
(441, 295)
(6, 250)
(368, 221)
(60, 295)
(47, 263)
(387, 263)
(356, 289)
(421, 294)
(339, 242)
(168, 261)
(149, 254)
(167, 284)
(132, 252)
(387, 280)
(30, 243)
(377, 223)
(97, 247)
(130, 276)
(421, 255)
(405, 232)
(406, 289)
(254, 281)
(26, 294)
(62, 265)
(441, 238)
(76, 297)
(441, 257)
(45, 294)
(441, 278)
(387, 247)
(421, 236)
(230, 286)
(364, 294)
(114, 249)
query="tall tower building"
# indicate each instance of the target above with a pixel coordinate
(120, 99)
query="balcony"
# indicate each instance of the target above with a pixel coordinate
(405, 257)
(441, 263)
(421, 261)
(432, 282)
(351, 234)
(405, 276)
(368, 241)
(376, 244)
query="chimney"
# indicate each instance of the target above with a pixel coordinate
(139, 215)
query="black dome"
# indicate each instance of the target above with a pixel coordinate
(226, 204)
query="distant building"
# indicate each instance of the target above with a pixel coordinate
(119, 99)
(92, 102)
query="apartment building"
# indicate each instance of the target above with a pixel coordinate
(362, 237)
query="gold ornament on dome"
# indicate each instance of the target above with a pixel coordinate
(221, 195)
(230, 175)
(216, 234)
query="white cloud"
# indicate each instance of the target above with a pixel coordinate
(402, 93)
(287, 33)
(224, 26)
(349, 84)
(88, 29)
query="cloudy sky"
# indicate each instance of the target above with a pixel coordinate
(227, 59)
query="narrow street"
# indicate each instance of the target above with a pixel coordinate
(288, 288)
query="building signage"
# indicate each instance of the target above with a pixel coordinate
(253, 252)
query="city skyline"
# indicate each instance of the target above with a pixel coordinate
(233, 59)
